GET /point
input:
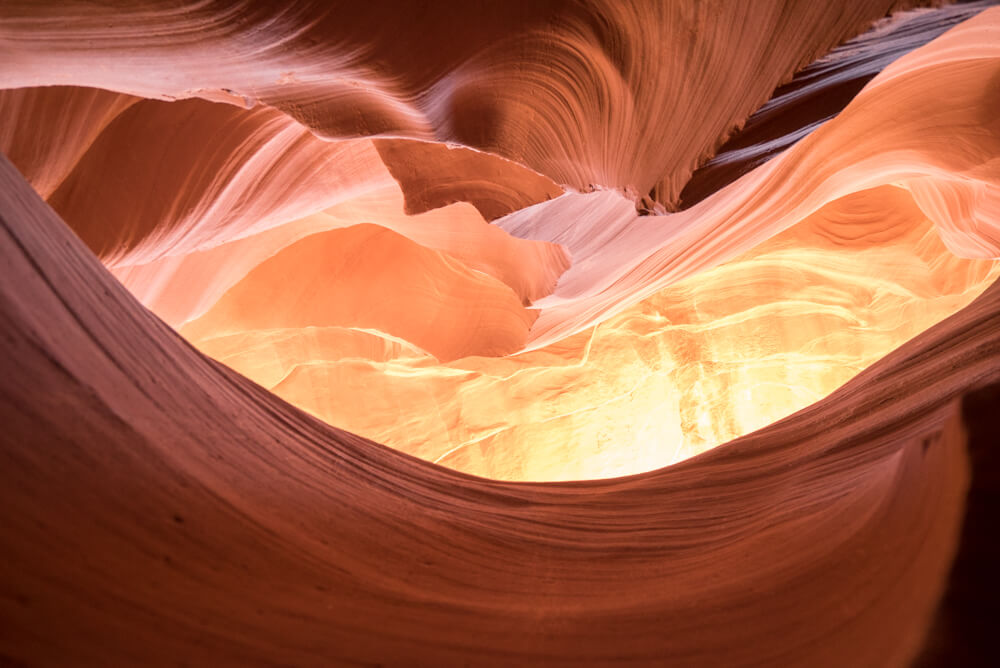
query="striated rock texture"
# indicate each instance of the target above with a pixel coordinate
(671, 333)
(159, 507)
(819, 91)
(531, 241)
(584, 92)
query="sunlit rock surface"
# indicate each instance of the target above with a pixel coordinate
(472, 234)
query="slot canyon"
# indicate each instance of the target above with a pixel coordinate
(537, 332)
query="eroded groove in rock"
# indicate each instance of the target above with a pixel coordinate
(818, 92)
(47, 130)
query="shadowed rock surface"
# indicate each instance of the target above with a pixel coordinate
(332, 335)
(159, 507)
(818, 92)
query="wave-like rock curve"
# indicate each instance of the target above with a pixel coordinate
(447, 232)
(176, 510)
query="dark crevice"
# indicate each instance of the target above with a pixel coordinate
(964, 629)
(819, 92)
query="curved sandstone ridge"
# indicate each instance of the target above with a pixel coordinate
(445, 230)
(708, 359)
(630, 95)
(355, 290)
(176, 511)
(925, 124)
(668, 333)
(433, 175)
(821, 90)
